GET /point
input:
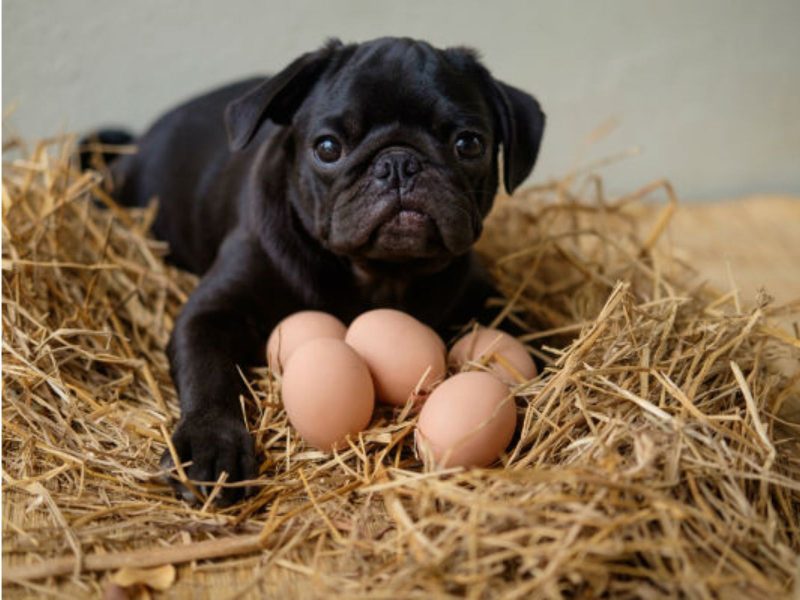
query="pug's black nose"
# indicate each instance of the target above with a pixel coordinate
(396, 169)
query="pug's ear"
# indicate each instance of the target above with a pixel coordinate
(278, 97)
(521, 127)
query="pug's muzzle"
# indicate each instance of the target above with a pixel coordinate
(403, 208)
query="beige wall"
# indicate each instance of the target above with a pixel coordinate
(709, 89)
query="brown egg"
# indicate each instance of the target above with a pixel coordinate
(295, 330)
(327, 392)
(398, 350)
(515, 365)
(467, 421)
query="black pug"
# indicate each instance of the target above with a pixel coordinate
(357, 177)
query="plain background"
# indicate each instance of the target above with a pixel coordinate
(708, 91)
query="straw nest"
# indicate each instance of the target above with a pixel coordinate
(651, 458)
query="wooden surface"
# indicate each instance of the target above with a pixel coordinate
(754, 241)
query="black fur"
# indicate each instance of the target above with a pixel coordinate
(106, 137)
(245, 201)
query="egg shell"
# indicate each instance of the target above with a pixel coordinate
(483, 343)
(297, 329)
(466, 421)
(398, 349)
(327, 392)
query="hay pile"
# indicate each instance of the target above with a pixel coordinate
(651, 458)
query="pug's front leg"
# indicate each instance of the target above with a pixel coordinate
(222, 325)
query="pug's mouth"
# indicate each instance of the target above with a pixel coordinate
(408, 221)
(407, 233)
(401, 229)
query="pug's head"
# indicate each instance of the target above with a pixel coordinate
(394, 146)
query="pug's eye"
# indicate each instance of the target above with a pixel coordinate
(328, 149)
(469, 145)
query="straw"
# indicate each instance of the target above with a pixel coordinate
(650, 457)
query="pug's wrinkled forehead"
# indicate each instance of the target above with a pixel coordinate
(401, 79)
(409, 83)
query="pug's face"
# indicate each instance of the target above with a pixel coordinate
(395, 146)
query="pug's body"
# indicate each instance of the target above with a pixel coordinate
(356, 178)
